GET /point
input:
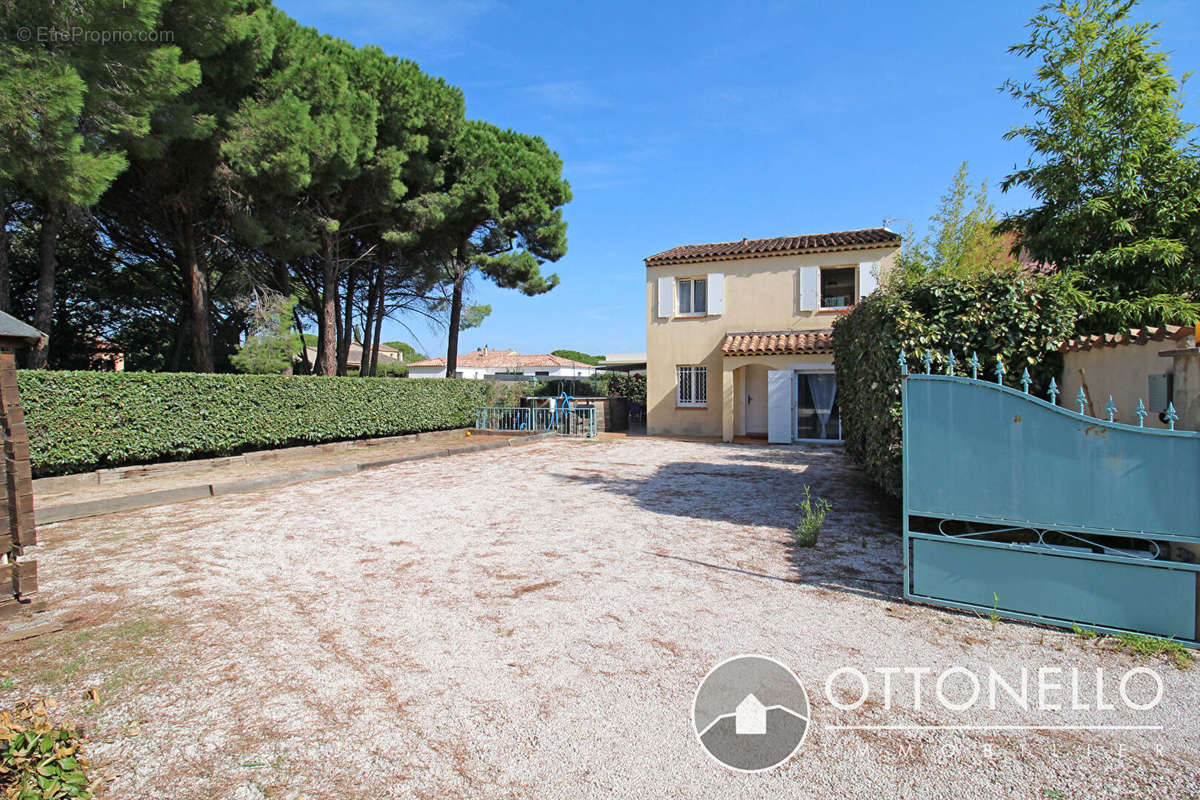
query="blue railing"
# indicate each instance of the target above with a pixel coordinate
(1016, 506)
(570, 421)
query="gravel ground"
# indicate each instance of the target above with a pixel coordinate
(533, 623)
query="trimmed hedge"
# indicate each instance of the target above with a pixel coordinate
(1017, 317)
(80, 421)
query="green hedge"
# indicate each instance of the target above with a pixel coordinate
(1017, 317)
(81, 421)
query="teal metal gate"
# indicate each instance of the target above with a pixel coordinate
(571, 421)
(1018, 507)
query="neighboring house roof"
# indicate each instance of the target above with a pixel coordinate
(1131, 336)
(13, 328)
(504, 359)
(783, 245)
(355, 353)
(777, 343)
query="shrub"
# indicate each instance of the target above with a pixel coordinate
(631, 386)
(80, 421)
(37, 759)
(1020, 318)
(812, 517)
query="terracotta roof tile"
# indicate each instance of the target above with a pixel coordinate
(777, 343)
(751, 248)
(1131, 336)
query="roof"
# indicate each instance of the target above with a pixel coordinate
(863, 239)
(503, 359)
(13, 328)
(777, 343)
(1132, 336)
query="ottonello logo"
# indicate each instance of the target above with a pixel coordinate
(750, 713)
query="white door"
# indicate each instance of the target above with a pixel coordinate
(754, 389)
(779, 406)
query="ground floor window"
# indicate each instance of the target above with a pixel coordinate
(692, 387)
(817, 413)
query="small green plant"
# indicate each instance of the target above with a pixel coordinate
(995, 615)
(1139, 644)
(812, 517)
(39, 760)
(1083, 633)
(1053, 794)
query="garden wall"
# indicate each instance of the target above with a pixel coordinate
(80, 421)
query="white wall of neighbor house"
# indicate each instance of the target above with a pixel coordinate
(772, 293)
(479, 373)
(1124, 372)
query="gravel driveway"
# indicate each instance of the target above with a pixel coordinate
(533, 623)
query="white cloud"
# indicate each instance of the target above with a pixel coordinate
(566, 94)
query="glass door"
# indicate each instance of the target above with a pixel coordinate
(817, 414)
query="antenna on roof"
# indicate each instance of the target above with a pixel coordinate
(887, 221)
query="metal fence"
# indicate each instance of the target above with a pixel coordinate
(570, 421)
(1018, 507)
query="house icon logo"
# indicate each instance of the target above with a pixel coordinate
(750, 713)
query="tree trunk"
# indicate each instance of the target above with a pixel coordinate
(327, 316)
(348, 321)
(43, 315)
(456, 301)
(368, 343)
(195, 282)
(303, 340)
(378, 327)
(5, 278)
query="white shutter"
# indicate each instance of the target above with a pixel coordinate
(810, 288)
(779, 405)
(716, 293)
(868, 278)
(666, 296)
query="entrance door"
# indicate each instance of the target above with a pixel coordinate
(754, 387)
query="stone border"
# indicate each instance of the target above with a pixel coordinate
(160, 497)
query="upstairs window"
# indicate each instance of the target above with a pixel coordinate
(693, 295)
(837, 287)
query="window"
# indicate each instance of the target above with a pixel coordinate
(693, 295)
(692, 390)
(837, 287)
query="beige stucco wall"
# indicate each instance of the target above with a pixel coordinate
(1123, 371)
(761, 294)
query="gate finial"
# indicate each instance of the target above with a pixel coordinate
(1025, 380)
(1110, 408)
(903, 362)
(974, 365)
(927, 360)
(1171, 417)
(1000, 370)
(1141, 414)
(1053, 392)
(1081, 398)
(950, 363)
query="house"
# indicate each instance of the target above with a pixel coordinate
(1158, 365)
(631, 363)
(750, 717)
(739, 334)
(503, 365)
(386, 354)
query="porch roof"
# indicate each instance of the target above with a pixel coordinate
(777, 343)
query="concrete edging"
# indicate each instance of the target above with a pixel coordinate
(162, 497)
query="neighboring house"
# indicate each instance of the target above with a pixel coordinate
(503, 365)
(632, 363)
(1155, 365)
(386, 354)
(739, 338)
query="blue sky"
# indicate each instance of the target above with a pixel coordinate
(681, 123)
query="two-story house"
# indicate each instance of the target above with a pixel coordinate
(739, 334)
